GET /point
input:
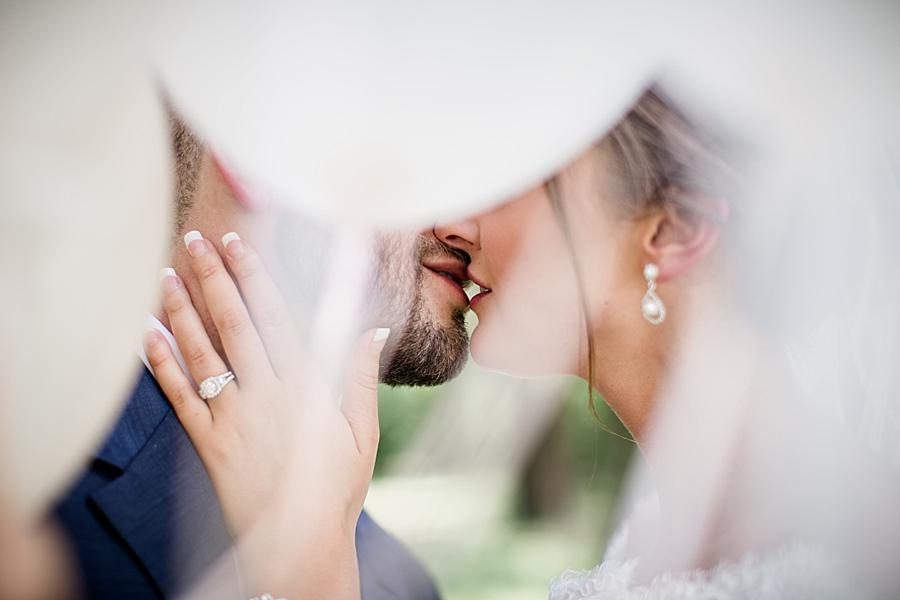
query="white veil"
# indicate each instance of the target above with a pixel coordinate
(781, 419)
(784, 383)
(362, 115)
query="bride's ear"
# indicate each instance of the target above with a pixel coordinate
(677, 238)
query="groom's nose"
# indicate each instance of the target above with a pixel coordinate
(462, 235)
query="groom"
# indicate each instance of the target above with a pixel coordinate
(142, 519)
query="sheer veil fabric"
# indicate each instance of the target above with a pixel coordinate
(778, 441)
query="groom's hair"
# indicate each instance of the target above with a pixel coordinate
(188, 153)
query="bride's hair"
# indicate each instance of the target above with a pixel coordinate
(663, 158)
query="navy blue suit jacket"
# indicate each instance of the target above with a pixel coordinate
(144, 521)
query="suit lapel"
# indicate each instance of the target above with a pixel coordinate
(163, 505)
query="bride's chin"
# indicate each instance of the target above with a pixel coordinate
(498, 354)
(487, 351)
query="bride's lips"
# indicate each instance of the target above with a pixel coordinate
(452, 272)
(479, 297)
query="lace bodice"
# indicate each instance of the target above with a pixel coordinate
(791, 572)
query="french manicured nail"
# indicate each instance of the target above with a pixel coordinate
(193, 240)
(169, 278)
(381, 334)
(232, 244)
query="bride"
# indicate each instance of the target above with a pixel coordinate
(601, 272)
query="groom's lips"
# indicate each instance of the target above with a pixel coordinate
(451, 271)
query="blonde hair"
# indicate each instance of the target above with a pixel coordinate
(664, 158)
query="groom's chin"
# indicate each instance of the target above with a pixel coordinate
(426, 354)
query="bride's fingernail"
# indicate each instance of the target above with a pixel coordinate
(193, 240)
(169, 278)
(233, 244)
(381, 334)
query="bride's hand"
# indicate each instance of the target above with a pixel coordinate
(290, 459)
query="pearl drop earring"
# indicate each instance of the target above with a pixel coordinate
(652, 306)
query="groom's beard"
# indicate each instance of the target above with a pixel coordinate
(430, 348)
(428, 344)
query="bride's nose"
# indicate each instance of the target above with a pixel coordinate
(463, 235)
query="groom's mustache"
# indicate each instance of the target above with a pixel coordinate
(431, 248)
(445, 260)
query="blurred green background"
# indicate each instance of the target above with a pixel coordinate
(499, 484)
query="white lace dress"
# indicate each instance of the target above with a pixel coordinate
(792, 572)
(789, 572)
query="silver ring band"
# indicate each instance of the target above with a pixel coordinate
(213, 386)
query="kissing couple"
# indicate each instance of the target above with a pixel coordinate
(239, 469)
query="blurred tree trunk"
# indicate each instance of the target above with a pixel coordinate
(547, 478)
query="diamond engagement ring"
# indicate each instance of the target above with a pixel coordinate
(213, 386)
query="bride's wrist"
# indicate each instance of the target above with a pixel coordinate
(288, 554)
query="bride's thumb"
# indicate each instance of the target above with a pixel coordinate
(360, 398)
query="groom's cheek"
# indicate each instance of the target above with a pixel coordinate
(392, 298)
